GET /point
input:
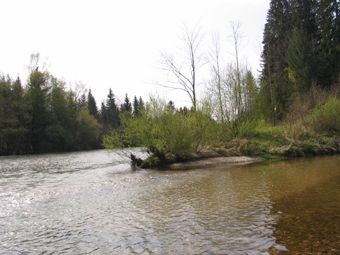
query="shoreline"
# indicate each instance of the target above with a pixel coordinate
(241, 151)
(213, 162)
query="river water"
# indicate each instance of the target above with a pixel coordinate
(93, 203)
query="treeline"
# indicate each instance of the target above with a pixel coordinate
(301, 50)
(43, 116)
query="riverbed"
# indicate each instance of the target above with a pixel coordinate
(94, 203)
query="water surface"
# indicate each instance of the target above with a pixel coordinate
(93, 203)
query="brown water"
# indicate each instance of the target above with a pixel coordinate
(92, 203)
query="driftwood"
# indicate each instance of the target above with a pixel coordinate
(135, 162)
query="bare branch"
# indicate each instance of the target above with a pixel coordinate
(186, 72)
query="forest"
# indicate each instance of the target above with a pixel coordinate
(292, 108)
(44, 116)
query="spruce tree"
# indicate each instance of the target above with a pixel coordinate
(92, 105)
(112, 111)
(300, 59)
(171, 106)
(328, 42)
(141, 104)
(126, 106)
(275, 87)
(136, 108)
(103, 116)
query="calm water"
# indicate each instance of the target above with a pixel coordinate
(92, 203)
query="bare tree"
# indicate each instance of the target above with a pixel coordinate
(184, 73)
(236, 39)
(79, 89)
(35, 63)
(216, 81)
(232, 87)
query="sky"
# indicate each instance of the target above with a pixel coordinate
(118, 44)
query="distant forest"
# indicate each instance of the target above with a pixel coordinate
(44, 116)
(301, 51)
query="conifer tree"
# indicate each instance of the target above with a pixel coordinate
(92, 105)
(103, 116)
(136, 108)
(300, 61)
(126, 106)
(14, 117)
(328, 42)
(275, 87)
(141, 104)
(171, 106)
(112, 111)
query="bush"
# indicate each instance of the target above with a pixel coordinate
(112, 140)
(246, 128)
(298, 130)
(165, 130)
(326, 117)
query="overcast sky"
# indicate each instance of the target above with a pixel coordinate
(117, 44)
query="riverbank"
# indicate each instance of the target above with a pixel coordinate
(259, 147)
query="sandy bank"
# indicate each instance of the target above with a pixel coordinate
(213, 162)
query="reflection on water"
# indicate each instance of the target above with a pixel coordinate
(309, 204)
(91, 202)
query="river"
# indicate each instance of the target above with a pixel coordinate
(93, 203)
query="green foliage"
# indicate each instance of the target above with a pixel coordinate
(151, 162)
(251, 95)
(275, 88)
(88, 130)
(112, 140)
(14, 117)
(133, 130)
(245, 128)
(43, 117)
(109, 114)
(37, 96)
(167, 131)
(300, 61)
(312, 58)
(92, 105)
(126, 106)
(266, 130)
(326, 117)
(327, 42)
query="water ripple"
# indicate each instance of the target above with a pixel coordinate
(92, 203)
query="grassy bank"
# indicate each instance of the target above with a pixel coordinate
(275, 144)
(271, 143)
(172, 136)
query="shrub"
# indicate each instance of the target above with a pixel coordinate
(165, 130)
(326, 117)
(298, 130)
(112, 140)
(246, 128)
